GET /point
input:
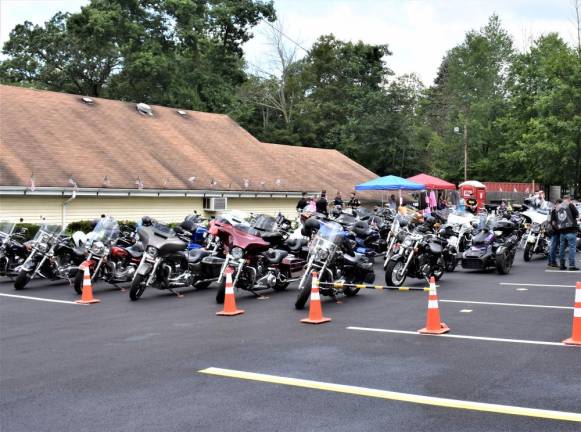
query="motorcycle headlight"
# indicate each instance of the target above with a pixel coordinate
(408, 243)
(152, 251)
(42, 247)
(498, 233)
(237, 253)
(98, 248)
(322, 255)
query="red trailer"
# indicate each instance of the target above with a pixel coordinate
(474, 189)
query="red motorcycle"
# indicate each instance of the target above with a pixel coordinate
(107, 260)
(257, 267)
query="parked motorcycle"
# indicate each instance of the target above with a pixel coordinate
(257, 266)
(537, 241)
(332, 255)
(494, 246)
(51, 257)
(167, 264)
(107, 260)
(419, 256)
(458, 240)
(12, 250)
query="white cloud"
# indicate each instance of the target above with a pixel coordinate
(418, 32)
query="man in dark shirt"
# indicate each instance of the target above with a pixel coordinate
(338, 201)
(322, 203)
(354, 201)
(302, 202)
(554, 235)
(567, 216)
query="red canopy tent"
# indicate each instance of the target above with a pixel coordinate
(433, 183)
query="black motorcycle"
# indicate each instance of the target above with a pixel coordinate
(51, 257)
(12, 250)
(332, 255)
(419, 256)
(494, 246)
(166, 263)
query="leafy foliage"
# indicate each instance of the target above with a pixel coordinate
(519, 113)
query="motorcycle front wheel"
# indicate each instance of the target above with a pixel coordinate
(392, 274)
(78, 282)
(137, 287)
(221, 293)
(528, 253)
(304, 293)
(21, 280)
(503, 263)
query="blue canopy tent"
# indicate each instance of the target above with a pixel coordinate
(390, 182)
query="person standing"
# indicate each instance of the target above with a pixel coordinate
(354, 201)
(567, 215)
(322, 203)
(392, 202)
(302, 202)
(338, 201)
(554, 235)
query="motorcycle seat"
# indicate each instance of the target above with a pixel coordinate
(275, 256)
(435, 248)
(362, 229)
(195, 255)
(295, 244)
(270, 236)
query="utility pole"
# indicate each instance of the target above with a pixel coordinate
(465, 151)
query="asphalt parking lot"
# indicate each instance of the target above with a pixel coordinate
(127, 366)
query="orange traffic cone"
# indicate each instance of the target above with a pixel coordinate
(575, 339)
(433, 323)
(87, 296)
(229, 297)
(315, 308)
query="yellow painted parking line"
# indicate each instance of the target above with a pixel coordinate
(395, 396)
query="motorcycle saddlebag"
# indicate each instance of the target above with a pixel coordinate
(212, 266)
(295, 265)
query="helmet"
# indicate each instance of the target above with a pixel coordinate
(310, 226)
(146, 221)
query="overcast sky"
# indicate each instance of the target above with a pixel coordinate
(418, 32)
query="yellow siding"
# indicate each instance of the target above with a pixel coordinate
(32, 209)
(287, 206)
(171, 209)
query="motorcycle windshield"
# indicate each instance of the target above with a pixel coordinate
(47, 233)
(331, 232)
(106, 230)
(6, 228)
(264, 223)
(346, 219)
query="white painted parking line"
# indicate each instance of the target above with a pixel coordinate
(522, 289)
(465, 310)
(563, 271)
(394, 396)
(535, 285)
(506, 304)
(455, 336)
(38, 299)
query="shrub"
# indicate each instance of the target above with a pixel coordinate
(31, 229)
(85, 226)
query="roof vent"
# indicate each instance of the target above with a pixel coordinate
(144, 109)
(182, 113)
(87, 100)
